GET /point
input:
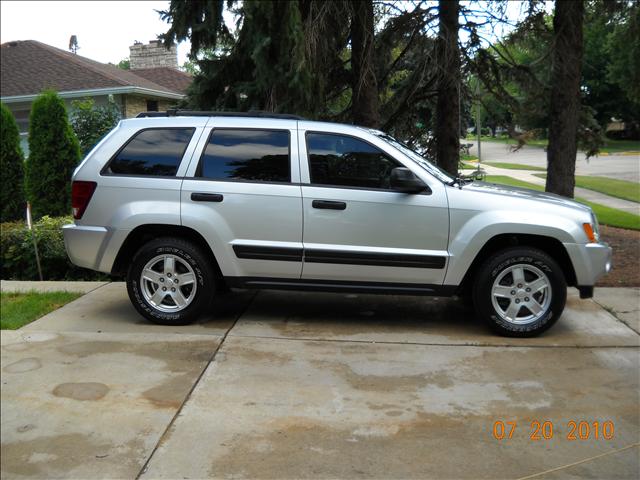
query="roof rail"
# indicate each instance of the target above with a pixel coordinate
(197, 113)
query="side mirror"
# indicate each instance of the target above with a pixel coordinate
(405, 181)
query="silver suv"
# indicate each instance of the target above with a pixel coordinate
(186, 204)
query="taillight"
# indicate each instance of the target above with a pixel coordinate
(81, 193)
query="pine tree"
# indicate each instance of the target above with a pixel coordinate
(565, 97)
(12, 200)
(54, 152)
(447, 132)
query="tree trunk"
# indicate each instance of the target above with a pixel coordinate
(447, 135)
(363, 84)
(565, 97)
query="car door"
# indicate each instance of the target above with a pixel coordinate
(243, 195)
(356, 228)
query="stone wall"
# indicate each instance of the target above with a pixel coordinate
(135, 104)
(152, 55)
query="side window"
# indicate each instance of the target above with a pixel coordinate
(346, 161)
(243, 154)
(157, 151)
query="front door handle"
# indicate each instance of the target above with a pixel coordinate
(206, 197)
(328, 205)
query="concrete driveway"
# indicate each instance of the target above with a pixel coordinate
(291, 385)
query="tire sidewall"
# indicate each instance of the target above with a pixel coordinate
(497, 265)
(190, 256)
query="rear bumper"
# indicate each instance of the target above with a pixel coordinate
(590, 262)
(89, 247)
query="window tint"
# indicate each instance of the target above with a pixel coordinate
(236, 154)
(346, 161)
(156, 151)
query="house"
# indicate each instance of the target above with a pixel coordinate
(28, 67)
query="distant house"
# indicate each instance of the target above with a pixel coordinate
(28, 67)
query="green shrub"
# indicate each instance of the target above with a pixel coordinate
(18, 258)
(54, 152)
(91, 122)
(12, 201)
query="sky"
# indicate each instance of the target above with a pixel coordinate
(105, 30)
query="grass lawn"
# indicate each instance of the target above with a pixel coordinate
(18, 309)
(510, 141)
(514, 166)
(467, 166)
(610, 146)
(609, 186)
(606, 215)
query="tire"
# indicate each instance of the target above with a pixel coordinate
(496, 294)
(182, 269)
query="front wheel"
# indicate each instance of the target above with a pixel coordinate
(520, 292)
(170, 281)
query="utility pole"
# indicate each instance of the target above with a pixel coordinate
(478, 125)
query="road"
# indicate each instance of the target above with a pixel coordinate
(623, 167)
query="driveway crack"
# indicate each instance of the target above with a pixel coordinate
(212, 358)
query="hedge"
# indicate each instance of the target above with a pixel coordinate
(54, 152)
(12, 199)
(18, 258)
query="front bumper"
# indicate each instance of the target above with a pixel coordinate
(590, 262)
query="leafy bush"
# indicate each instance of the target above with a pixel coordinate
(18, 258)
(91, 122)
(54, 152)
(12, 199)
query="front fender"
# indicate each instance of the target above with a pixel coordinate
(469, 233)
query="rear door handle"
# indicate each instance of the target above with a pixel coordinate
(328, 205)
(206, 197)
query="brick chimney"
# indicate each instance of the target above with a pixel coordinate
(152, 55)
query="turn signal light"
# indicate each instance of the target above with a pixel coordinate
(588, 230)
(81, 193)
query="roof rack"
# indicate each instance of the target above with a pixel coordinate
(197, 113)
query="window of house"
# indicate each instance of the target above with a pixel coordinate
(152, 105)
(341, 160)
(156, 151)
(243, 154)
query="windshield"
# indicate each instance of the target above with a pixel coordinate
(416, 157)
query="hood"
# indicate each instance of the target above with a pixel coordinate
(526, 194)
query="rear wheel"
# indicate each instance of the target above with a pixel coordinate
(170, 281)
(520, 292)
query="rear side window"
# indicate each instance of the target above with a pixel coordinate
(340, 160)
(243, 154)
(155, 151)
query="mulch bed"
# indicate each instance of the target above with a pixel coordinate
(626, 257)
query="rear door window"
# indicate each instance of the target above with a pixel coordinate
(155, 151)
(246, 155)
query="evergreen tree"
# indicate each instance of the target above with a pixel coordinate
(12, 200)
(565, 97)
(54, 152)
(447, 110)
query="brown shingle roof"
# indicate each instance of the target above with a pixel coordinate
(168, 77)
(29, 66)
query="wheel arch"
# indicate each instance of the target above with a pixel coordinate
(551, 246)
(144, 233)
